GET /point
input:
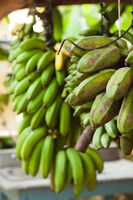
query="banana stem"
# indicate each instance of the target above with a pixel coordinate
(85, 139)
(47, 21)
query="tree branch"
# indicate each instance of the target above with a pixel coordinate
(7, 6)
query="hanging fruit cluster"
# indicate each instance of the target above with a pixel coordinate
(101, 90)
(49, 130)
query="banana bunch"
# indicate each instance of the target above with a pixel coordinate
(49, 129)
(100, 90)
(79, 168)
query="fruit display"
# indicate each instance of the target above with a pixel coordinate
(62, 95)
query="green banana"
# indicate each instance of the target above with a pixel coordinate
(52, 113)
(85, 119)
(34, 89)
(74, 133)
(96, 140)
(96, 158)
(119, 84)
(25, 133)
(68, 175)
(96, 60)
(74, 59)
(33, 43)
(105, 140)
(36, 103)
(34, 160)
(72, 67)
(22, 86)
(18, 67)
(21, 74)
(125, 116)
(26, 55)
(33, 76)
(51, 93)
(78, 188)
(13, 86)
(24, 123)
(47, 74)
(22, 104)
(16, 101)
(46, 156)
(76, 165)
(31, 141)
(25, 166)
(83, 108)
(31, 65)
(45, 60)
(15, 53)
(65, 118)
(38, 118)
(89, 170)
(111, 128)
(90, 42)
(60, 170)
(93, 84)
(60, 76)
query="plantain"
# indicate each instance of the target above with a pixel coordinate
(93, 85)
(119, 83)
(99, 59)
(106, 110)
(125, 116)
(89, 42)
